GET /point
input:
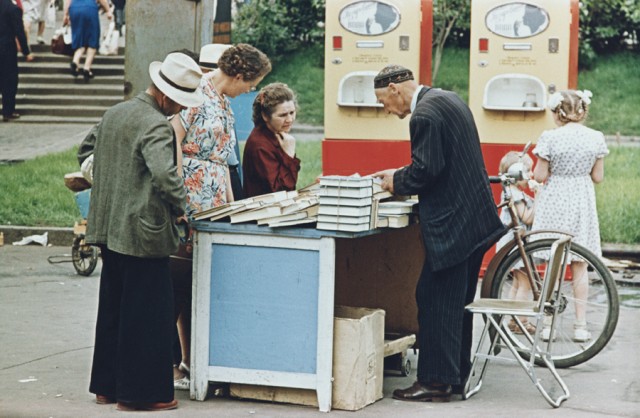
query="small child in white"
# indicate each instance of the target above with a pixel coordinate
(521, 289)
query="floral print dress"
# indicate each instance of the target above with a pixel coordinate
(209, 139)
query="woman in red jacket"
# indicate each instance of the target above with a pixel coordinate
(269, 163)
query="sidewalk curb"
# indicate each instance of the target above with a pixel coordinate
(57, 236)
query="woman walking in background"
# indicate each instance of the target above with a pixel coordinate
(85, 32)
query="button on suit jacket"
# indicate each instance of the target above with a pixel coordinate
(447, 172)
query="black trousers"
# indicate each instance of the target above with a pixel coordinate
(445, 333)
(8, 75)
(132, 359)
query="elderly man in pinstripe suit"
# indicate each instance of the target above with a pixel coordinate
(458, 218)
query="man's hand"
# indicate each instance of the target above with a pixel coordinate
(387, 178)
(29, 58)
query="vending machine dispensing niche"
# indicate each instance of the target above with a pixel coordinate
(520, 53)
(362, 37)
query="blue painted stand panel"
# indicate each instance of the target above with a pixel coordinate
(264, 312)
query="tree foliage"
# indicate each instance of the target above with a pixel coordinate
(278, 27)
(447, 15)
(608, 26)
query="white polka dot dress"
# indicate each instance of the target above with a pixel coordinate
(567, 201)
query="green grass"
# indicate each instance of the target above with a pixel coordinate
(618, 197)
(454, 72)
(310, 155)
(34, 194)
(615, 83)
(303, 72)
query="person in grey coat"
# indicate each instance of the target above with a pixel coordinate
(458, 218)
(136, 199)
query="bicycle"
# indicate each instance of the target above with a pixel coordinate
(528, 253)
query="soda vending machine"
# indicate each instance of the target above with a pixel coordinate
(362, 37)
(520, 53)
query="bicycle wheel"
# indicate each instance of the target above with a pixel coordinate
(602, 306)
(84, 257)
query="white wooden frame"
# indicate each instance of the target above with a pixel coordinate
(202, 373)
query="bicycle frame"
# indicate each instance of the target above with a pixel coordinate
(520, 238)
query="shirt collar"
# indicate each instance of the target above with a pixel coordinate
(414, 99)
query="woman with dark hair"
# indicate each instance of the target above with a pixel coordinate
(269, 163)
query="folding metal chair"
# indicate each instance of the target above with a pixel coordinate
(497, 312)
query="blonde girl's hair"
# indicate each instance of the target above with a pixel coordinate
(573, 107)
(269, 97)
(513, 157)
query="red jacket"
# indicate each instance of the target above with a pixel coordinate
(265, 166)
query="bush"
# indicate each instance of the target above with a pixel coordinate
(279, 27)
(607, 26)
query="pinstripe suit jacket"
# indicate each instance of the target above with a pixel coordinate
(447, 172)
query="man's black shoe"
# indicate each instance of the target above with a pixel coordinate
(424, 393)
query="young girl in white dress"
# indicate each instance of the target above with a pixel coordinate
(570, 161)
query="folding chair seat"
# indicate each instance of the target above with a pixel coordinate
(498, 312)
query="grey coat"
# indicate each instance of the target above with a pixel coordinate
(137, 193)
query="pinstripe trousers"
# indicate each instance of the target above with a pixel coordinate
(445, 333)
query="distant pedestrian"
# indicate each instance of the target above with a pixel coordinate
(35, 11)
(11, 27)
(136, 199)
(85, 32)
(118, 6)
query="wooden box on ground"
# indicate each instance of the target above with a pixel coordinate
(358, 362)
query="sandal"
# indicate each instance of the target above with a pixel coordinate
(182, 384)
(514, 328)
(184, 368)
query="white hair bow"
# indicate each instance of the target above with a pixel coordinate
(585, 96)
(554, 101)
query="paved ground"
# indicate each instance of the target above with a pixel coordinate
(47, 317)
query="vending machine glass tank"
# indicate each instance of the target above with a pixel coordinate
(517, 20)
(369, 18)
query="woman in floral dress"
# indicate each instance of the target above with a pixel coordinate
(206, 134)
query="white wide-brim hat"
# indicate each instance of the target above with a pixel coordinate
(178, 76)
(211, 53)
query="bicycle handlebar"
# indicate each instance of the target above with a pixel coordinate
(495, 179)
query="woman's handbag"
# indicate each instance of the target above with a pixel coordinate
(61, 41)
